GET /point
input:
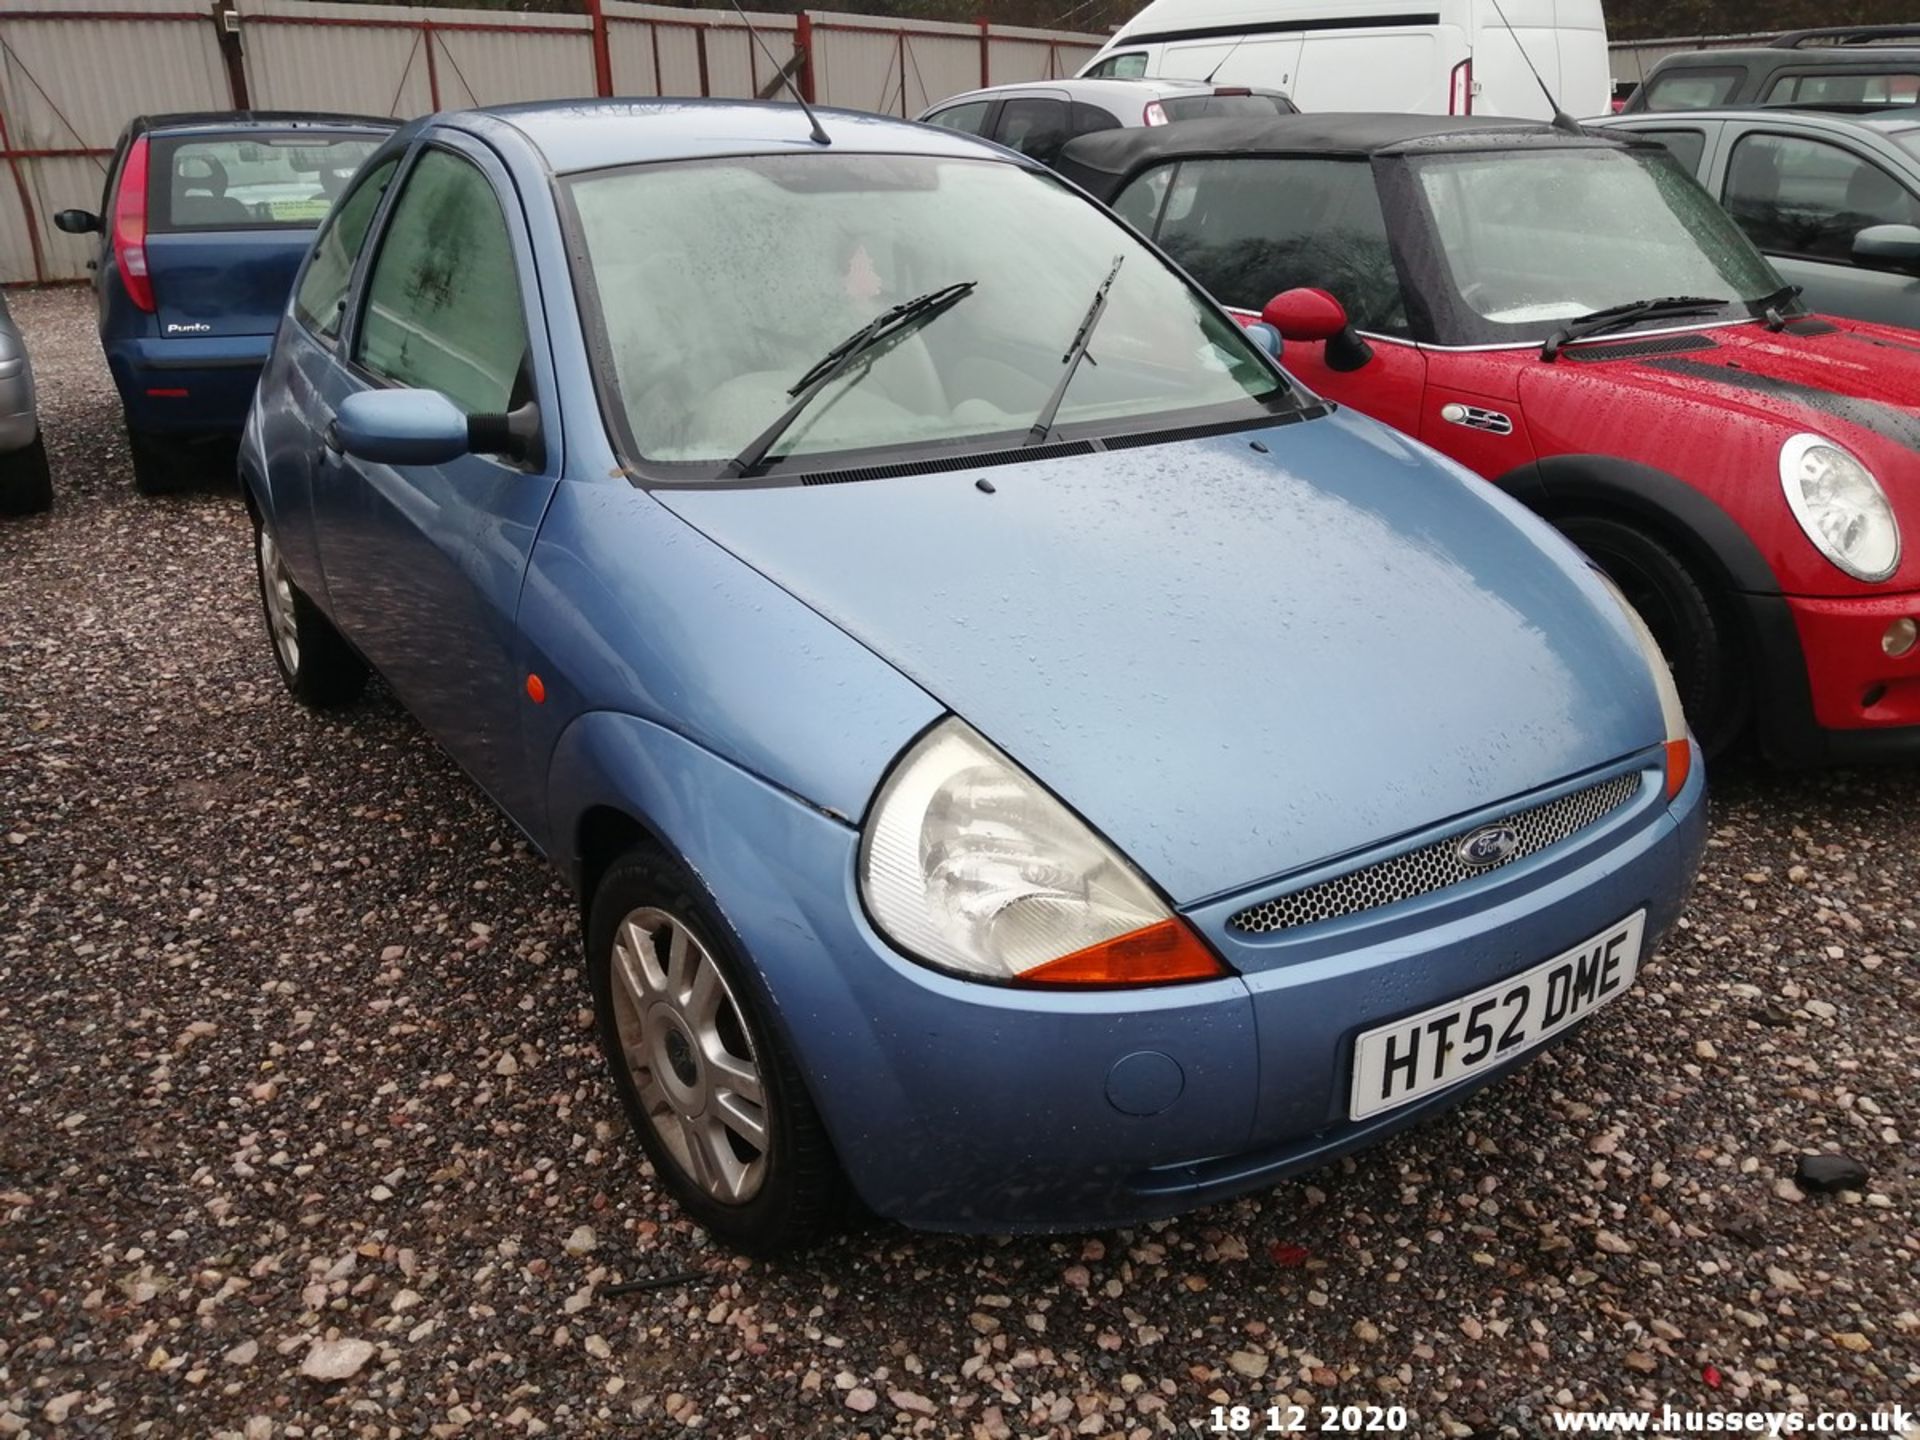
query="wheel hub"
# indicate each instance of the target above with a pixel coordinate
(687, 1051)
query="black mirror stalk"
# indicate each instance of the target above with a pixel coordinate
(1347, 351)
(514, 434)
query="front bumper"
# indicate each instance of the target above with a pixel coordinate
(955, 1105)
(1831, 694)
(188, 385)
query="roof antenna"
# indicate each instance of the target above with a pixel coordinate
(820, 136)
(1238, 42)
(1561, 120)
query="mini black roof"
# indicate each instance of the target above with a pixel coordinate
(1098, 161)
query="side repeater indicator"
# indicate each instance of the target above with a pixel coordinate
(536, 690)
(1475, 418)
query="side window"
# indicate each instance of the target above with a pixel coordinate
(1693, 89)
(1248, 229)
(970, 118)
(443, 301)
(321, 300)
(1139, 203)
(1086, 119)
(1805, 197)
(1036, 127)
(1847, 87)
(1686, 146)
(1130, 65)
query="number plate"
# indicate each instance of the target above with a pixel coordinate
(1401, 1062)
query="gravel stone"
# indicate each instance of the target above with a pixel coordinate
(255, 963)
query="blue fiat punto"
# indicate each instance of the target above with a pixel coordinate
(1022, 758)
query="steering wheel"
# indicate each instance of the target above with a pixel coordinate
(215, 183)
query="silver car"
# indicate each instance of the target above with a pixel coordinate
(1039, 117)
(26, 485)
(1833, 199)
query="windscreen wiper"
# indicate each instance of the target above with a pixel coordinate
(1774, 308)
(1666, 307)
(1076, 352)
(887, 327)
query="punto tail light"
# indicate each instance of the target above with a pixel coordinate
(1460, 89)
(130, 228)
(970, 865)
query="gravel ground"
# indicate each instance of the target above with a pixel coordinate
(295, 1034)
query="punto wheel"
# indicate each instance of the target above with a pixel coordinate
(1702, 648)
(712, 1095)
(26, 482)
(318, 666)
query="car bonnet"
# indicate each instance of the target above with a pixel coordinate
(1234, 656)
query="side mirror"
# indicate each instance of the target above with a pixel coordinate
(1313, 316)
(401, 427)
(1266, 337)
(424, 427)
(1888, 247)
(77, 222)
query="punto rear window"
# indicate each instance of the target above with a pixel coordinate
(252, 181)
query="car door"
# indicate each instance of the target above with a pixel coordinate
(1802, 199)
(424, 563)
(1249, 228)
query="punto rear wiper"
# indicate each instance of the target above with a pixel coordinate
(887, 327)
(1666, 307)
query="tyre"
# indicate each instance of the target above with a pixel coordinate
(26, 482)
(1703, 647)
(710, 1090)
(319, 667)
(157, 467)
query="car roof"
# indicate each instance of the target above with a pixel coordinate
(1134, 88)
(1885, 119)
(260, 120)
(1118, 152)
(1805, 57)
(577, 135)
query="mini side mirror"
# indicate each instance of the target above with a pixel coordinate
(77, 222)
(1313, 316)
(1888, 247)
(401, 427)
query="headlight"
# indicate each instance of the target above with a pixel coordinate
(1841, 507)
(1672, 717)
(969, 864)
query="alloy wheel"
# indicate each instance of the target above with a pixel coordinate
(277, 586)
(687, 1049)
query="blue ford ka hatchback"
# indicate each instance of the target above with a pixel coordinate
(1021, 756)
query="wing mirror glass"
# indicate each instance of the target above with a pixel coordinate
(1888, 247)
(77, 222)
(1314, 317)
(424, 427)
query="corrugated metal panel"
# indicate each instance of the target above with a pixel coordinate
(76, 82)
(735, 67)
(490, 69)
(59, 183)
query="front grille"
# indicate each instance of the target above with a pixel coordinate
(1436, 866)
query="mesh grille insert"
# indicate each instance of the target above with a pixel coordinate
(1587, 354)
(1435, 866)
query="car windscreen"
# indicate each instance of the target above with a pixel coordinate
(716, 287)
(1213, 107)
(1520, 242)
(251, 181)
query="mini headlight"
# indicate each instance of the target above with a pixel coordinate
(969, 864)
(1841, 507)
(1672, 717)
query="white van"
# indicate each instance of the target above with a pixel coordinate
(1456, 58)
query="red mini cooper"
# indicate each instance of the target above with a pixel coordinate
(1571, 316)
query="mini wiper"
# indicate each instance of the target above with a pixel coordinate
(885, 329)
(1666, 307)
(1076, 352)
(1775, 307)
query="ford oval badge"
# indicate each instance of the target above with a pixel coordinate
(1489, 845)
